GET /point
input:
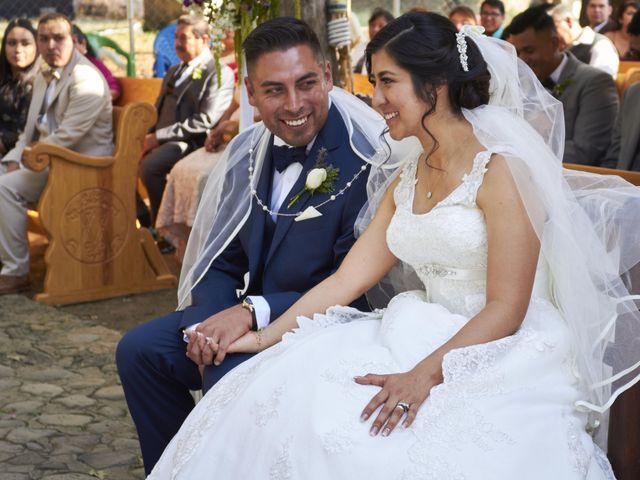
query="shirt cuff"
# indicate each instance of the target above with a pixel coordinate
(262, 310)
(189, 329)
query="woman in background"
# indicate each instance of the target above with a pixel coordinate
(17, 68)
(620, 37)
(85, 48)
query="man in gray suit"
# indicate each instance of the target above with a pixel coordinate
(588, 95)
(586, 45)
(190, 103)
(624, 151)
(70, 107)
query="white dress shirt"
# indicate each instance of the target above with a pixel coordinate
(555, 75)
(282, 183)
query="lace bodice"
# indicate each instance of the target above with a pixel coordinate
(447, 246)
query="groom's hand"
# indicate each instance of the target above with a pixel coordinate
(222, 329)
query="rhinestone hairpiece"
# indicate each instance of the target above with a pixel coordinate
(462, 50)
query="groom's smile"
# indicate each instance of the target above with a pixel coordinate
(290, 89)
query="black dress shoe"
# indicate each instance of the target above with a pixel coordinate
(14, 284)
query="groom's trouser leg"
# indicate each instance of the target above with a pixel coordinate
(156, 377)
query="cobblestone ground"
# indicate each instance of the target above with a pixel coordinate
(62, 410)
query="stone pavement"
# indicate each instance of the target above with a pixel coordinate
(62, 410)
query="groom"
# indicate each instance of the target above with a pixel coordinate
(288, 82)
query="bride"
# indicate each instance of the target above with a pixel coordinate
(494, 367)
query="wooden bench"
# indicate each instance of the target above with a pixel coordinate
(138, 90)
(627, 78)
(625, 66)
(624, 420)
(87, 210)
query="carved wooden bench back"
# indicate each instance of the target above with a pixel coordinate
(88, 211)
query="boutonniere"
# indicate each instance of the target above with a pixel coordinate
(558, 88)
(321, 178)
(197, 72)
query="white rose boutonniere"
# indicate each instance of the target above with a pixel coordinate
(315, 178)
(321, 178)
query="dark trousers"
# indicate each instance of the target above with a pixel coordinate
(154, 168)
(156, 377)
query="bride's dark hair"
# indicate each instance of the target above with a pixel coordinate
(425, 45)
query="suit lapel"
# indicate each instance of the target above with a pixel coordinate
(65, 77)
(207, 68)
(258, 216)
(39, 90)
(163, 90)
(328, 138)
(568, 71)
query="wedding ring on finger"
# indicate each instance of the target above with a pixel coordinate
(403, 405)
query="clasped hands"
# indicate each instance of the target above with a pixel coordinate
(400, 395)
(225, 332)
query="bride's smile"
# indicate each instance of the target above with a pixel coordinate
(394, 97)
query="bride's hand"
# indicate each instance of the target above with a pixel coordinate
(247, 343)
(401, 393)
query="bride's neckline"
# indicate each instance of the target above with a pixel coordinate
(439, 203)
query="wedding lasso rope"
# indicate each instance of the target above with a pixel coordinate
(264, 207)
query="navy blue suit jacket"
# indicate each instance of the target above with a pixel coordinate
(302, 254)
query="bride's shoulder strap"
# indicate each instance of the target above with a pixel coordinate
(474, 178)
(407, 180)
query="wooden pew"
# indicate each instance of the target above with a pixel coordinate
(624, 419)
(625, 66)
(87, 210)
(627, 78)
(138, 90)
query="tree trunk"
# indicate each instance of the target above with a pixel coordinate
(314, 12)
(158, 13)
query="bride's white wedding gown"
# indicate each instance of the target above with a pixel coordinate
(504, 411)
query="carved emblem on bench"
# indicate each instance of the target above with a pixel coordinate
(94, 226)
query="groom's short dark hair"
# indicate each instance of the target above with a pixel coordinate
(533, 17)
(280, 34)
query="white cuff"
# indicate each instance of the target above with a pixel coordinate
(189, 329)
(262, 309)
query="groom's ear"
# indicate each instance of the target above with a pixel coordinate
(328, 75)
(250, 91)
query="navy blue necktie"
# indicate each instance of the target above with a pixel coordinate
(284, 156)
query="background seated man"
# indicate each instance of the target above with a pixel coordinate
(492, 17)
(624, 151)
(586, 45)
(191, 102)
(70, 107)
(599, 16)
(588, 95)
(377, 21)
